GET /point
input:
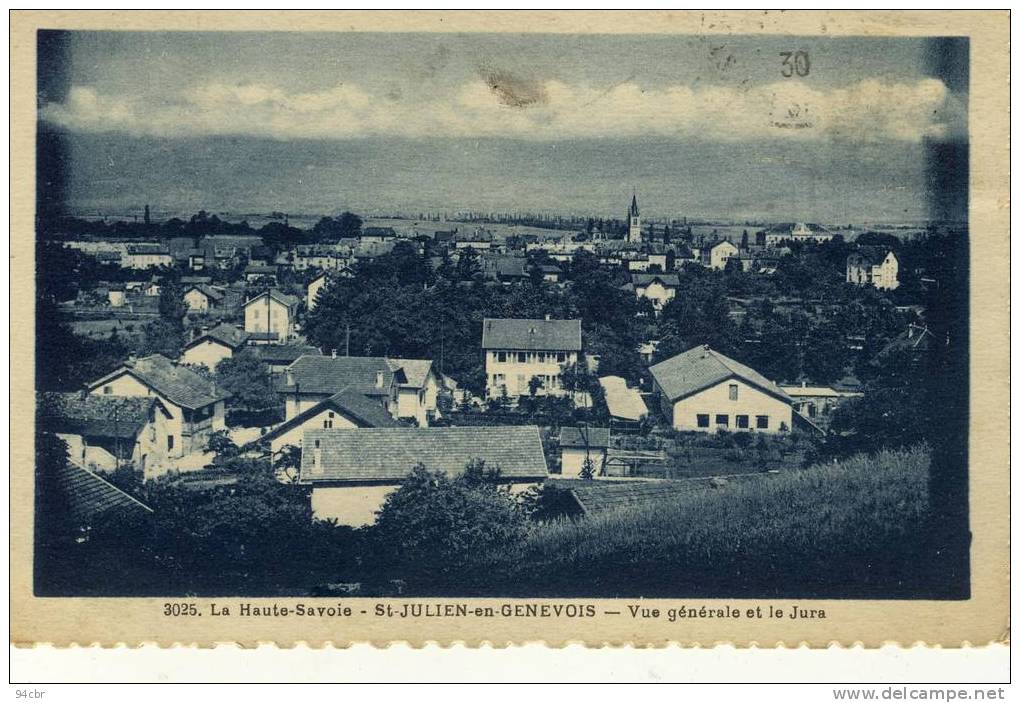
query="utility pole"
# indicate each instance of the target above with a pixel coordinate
(116, 433)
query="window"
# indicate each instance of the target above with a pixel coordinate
(169, 442)
(743, 422)
(541, 357)
(703, 420)
(255, 314)
(328, 422)
(522, 358)
(733, 391)
(722, 420)
(561, 357)
(107, 390)
(501, 357)
(762, 422)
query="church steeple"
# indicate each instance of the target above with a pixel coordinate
(633, 220)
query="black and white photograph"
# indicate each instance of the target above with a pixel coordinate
(339, 315)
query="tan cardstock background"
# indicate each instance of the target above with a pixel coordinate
(982, 619)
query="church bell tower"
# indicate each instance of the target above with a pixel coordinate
(633, 221)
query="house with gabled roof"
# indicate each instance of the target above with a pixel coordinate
(146, 255)
(312, 379)
(377, 235)
(350, 472)
(347, 409)
(505, 269)
(519, 350)
(196, 405)
(202, 297)
(213, 346)
(873, 266)
(704, 390)
(417, 390)
(659, 288)
(269, 317)
(716, 254)
(479, 239)
(104, 433)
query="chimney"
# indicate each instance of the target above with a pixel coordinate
(378, 379)
(84, 392)
(548, 317)
(289, 377)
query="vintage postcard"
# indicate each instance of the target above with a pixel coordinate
(615, 328)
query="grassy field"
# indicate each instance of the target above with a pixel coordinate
(104, 328)
(852, 529)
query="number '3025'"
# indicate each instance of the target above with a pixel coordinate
(180, 609)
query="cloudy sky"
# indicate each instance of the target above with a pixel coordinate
(705, 126)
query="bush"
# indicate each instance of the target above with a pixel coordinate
(436, 529)
(548, 502)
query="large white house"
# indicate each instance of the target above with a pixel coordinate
(351, 471)
(797, 232)
(871, 266)
(144, 256)
(269, 317)
(715, 255)
(517, 351)
(196, 406)
(706, 391)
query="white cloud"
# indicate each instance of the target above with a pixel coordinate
(868, 111)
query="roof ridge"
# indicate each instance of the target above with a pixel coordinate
(118, 490)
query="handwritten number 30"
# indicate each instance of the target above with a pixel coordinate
(795, 62)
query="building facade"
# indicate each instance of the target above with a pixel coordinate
(517, 351)
(873, 267)
(716, 255)
(213, 346)
(351, 472)
(271, 315)
(658, 288)
(705, 391)
(196, 406)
